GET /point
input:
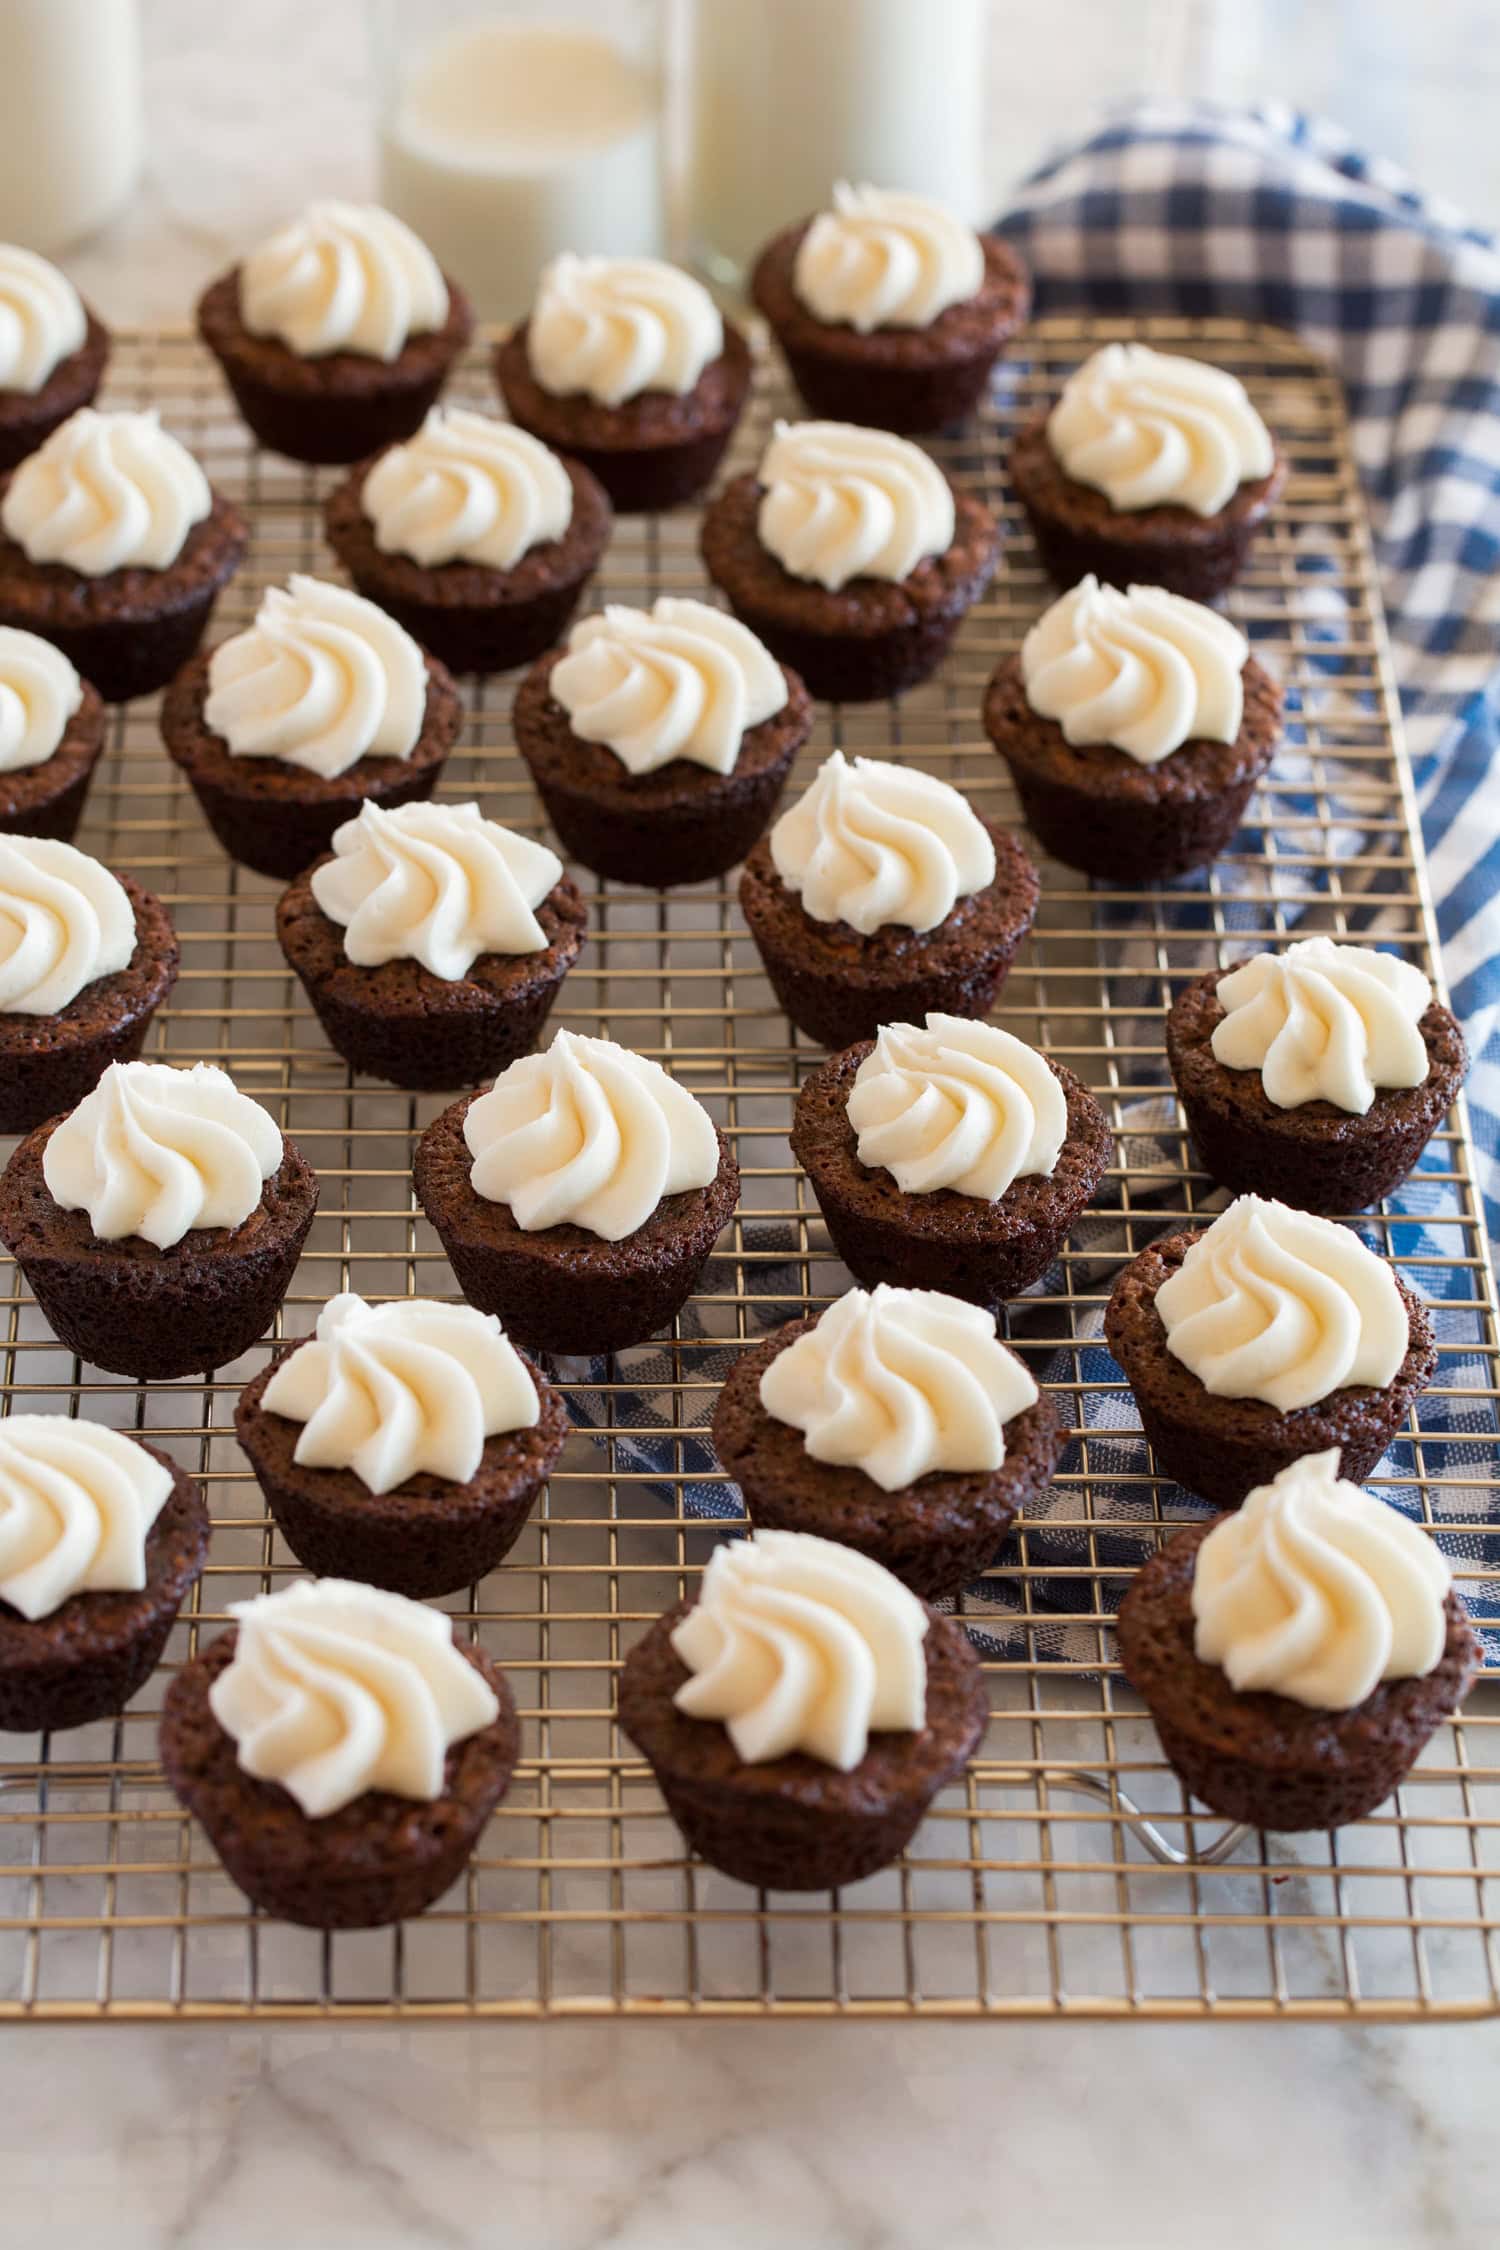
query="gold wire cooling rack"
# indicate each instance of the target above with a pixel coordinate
(1065, 1875)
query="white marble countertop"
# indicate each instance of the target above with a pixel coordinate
(576, 2137)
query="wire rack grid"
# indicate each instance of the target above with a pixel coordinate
(1066, 1874)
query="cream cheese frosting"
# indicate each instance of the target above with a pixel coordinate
(76, 1503)
(64, 921)
(678, 680)
(612, 328)
(322, 679)
(398, 1390)
(842, 502)
(881, 259)
(154, 1151)
(1150, 429)
(1317, 1591)
(956, 1104)
(588, 1135)
(899, 1383)
(1278, 1305)
(42, 320)
(467, 488)
(869, 843)
(106, 492)
(343, 277)
(336, 1688)
(1324, 1022)
(1144, 671)
(434, 883)
(40, 691)
(797, 1644)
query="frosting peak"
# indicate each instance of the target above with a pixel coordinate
(959, 1105)
(42, 320)
(467, 488)
(343, 277)
(336, 1688)
(1150, 429)
(402, 1389)
(438, 884)
(1318, 1591)
(64, 921)
(615, 327)
(680, 680)
(588, 1135)
(900, 1383)
(76, 1503)
(843, 502)
(797, 1644)
(39, 693)
(1144, 671)
(154, 1151)
(1324, 1022)
(106, 492)
(1277, 1305)
(870, 843)
(322, 679)
(880, 259)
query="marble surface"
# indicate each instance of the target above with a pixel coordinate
(876, 2136)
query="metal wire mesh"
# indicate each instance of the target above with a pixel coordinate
(1066, 1874)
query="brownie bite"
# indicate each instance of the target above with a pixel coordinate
(973, 1226)
(51, 737)
(336, 334)
(279, 755)
(888, 309)
(52, 356)
(1151, 469)
(627, 365)
(814, 1446)
(474, 536)
(644, 779)
(1317, 1076)
(862, 612)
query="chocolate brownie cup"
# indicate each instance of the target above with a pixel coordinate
(677, 821)
(377, 1858)
(981, 1250)
(473, 615)
(337, 334)
(865, 639)
(45, 795)
(53, 356)
(936, 1534)
(1263, 1758)
(912, 369)
(1317, 1155)
(1221, 1447)
(49, 1062)
(86, 1658)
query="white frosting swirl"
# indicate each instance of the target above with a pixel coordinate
(39, 692)
(403, 1389)
(1145, 670)
(154, 1151)
(1318, 1591)
(322, 679)
(467, 488)
(343, 277)
(899, 1383)
(958, 1105)
(438, 884)
(870, 843)
(612, 328)
(106, 492)
(588, 1135)
(844, 502)
(1280, 1306)
(64, 920)
(678, 680)
(881, 259)
(336, 1688)
(1151, 430)
(1324, 1022)
(797, 1644)
(42, 320)
(76, 1503)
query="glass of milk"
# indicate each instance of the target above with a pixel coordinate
(71, 134)
(511, 130)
